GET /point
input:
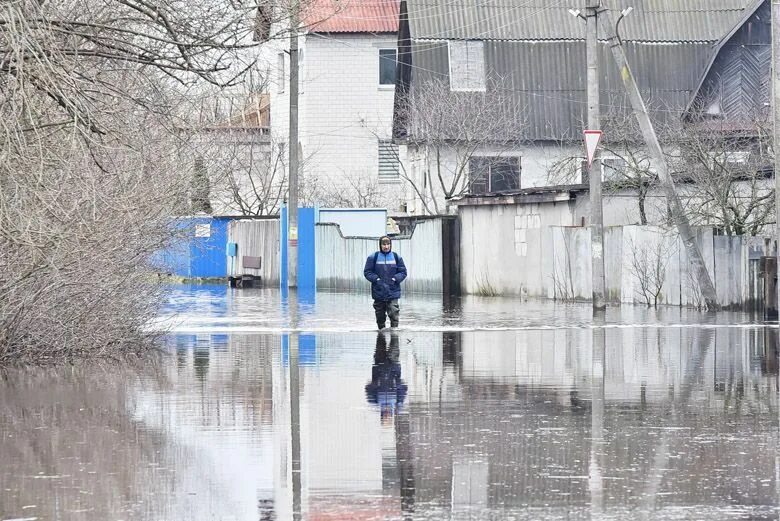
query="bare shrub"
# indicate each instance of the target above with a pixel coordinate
(648, 263)
(90, 167)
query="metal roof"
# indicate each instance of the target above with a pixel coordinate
(651, 20)
(547, 79)
(352, 16)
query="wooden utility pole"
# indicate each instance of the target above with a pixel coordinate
(659, 162)
(292, 205)
(776, 113)
(594, 170)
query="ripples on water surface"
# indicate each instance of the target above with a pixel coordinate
(475, 409)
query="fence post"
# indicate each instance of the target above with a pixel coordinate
(769, 274)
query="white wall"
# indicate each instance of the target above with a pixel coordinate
(536, 163)
(342, 110)
(505, 247)
(541, 250)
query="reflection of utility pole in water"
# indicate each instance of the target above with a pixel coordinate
(295, 407)
(405, 458)
(295, 425)
(286, 383)
(595, 474)
(661, 459)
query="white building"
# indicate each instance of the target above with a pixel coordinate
(347, 64)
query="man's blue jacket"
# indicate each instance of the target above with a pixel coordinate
(385, 271)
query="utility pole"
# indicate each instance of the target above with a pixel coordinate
(659, 161)
(776, 113)
(594, 170)
(292, 205)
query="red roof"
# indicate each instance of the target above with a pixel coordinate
(352, 16)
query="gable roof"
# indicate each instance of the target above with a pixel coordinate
(651, 20)
(760, 70)
(538, 54)
(351, 16)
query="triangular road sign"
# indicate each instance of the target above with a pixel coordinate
(592, 138)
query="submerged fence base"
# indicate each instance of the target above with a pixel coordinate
(643, 264)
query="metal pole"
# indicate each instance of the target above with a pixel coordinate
(292, 207)
(594, 172)
(776, 112)
(659, 161)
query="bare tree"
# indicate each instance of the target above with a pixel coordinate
(727, 175)
(93, 94)
(723, 172)
(648, 263)
(449, 129)
(248, 171)
(354, 191)
(626, 164)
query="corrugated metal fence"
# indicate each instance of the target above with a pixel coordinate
(340, 260)
(255, 238)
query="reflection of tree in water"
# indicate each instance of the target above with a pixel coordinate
(70, 445)
(201, 361)
(122, 443)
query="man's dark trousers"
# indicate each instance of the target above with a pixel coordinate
(389, 308)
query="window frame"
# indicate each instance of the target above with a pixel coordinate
(384, 61)
(491, 161)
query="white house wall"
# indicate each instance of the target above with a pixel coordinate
(536, 163)
(342, 110)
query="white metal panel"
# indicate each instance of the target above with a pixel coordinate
(356, 222)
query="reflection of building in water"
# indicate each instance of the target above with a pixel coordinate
(682, 409)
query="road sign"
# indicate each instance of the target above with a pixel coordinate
(592, 138)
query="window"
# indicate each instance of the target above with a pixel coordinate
(494, 174)
(388, 161)
(613, 168)
(467, 65)
(387, 66)
(280, 69)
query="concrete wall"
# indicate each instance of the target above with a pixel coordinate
(341, 260)
(539, 250)
(504, 248)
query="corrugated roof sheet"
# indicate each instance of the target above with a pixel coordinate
(547, 79)
(651, 20)
(352, 16)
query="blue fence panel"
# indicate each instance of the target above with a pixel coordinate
(207, 247)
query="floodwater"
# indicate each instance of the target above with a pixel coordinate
(478, 408)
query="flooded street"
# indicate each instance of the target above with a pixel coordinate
(479, 408)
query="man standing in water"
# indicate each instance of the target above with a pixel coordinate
(385, 270)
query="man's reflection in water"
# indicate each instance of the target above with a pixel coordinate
(387, 390)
